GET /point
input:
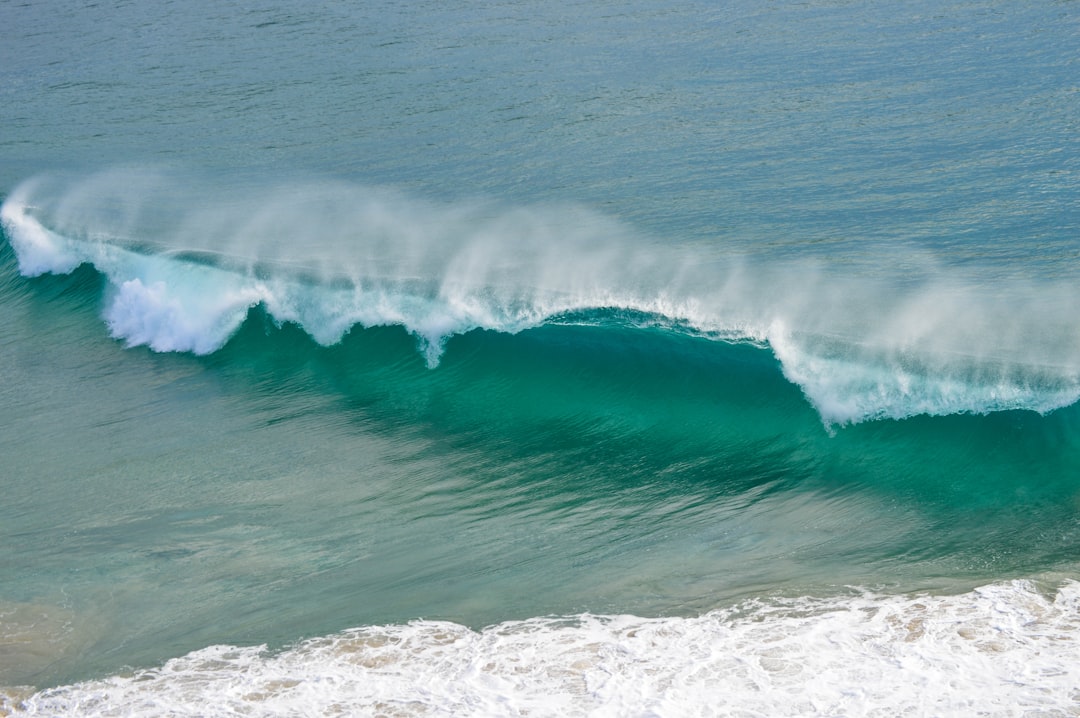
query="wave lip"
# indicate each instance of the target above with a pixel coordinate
(1000, 650)
(185, 267)
(886, 380)
(325, 257)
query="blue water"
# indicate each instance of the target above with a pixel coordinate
(751, 327)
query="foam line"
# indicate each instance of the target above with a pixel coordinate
(1002, 650)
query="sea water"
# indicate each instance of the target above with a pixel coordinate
(550, 358)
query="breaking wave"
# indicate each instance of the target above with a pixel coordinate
(186, 262)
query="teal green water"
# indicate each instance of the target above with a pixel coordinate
(314, 317)
(278, 488)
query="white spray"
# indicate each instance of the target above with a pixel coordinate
(186, 260)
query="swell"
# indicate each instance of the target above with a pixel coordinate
(184, 269)
(686, 467)
(612, 398)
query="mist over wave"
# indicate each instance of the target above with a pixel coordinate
(186, 258)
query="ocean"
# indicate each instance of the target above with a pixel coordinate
(540, 358)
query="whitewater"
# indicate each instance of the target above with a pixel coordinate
(1004, 650)
(185, 270)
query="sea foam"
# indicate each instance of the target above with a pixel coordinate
(1002, 650)
(185, 264)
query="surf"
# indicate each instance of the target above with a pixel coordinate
(1006, 644)
(186, 262)
(666, 459)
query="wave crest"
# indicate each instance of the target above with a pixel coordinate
(186, 261)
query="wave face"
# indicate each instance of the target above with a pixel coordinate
(1005, 649)
(297, 443)
(187, 262)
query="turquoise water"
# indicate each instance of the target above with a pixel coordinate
(661, 358)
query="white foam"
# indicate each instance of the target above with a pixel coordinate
(329, 256)
(859, 381)
(1002, 650)
(155, 316)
